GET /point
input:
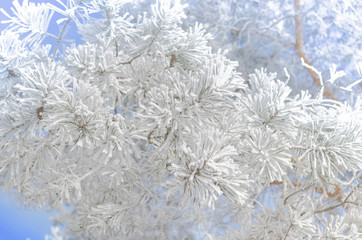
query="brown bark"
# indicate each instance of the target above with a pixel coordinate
(299, 48)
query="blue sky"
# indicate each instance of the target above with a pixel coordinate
(19, 224)
(15, 222)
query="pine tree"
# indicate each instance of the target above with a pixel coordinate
(143, 131)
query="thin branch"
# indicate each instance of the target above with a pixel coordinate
(116, 48)
(115, 106)
(286, 234)
(62, 32)
(139, 55)
(130, 61)
(154, 38)
(346, 89)
(299, 48)
(335, 206)
(301, 190)
(60, 37)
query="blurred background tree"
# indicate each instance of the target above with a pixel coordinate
(277, 34)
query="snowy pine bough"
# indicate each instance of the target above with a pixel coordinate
(143, 131)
